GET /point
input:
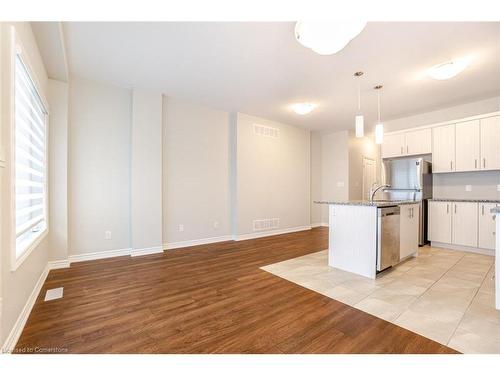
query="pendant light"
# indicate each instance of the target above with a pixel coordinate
(359, 119)
(379, 128)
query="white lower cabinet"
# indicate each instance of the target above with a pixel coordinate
(486, 226)
(409, 220)
(464, 224)
(468, 224)
(439, 221)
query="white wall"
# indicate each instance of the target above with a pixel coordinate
(100, 129)
(58, 162)
(196, 172)
(273, 175)
(146, 171)
(16, 286)
(445, 114)
(334, 169)
(316, 177)
(360, 148)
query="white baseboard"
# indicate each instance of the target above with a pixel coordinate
(202, 241)
(99, 255)
(315, 225)
(17, 329)
(250, 236)
(146, 251)
(468, 249)
(57, 264)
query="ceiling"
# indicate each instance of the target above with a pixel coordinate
(259, 68)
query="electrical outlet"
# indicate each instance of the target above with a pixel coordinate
(340, 184)
(107, 235)
(216, 224)
(181, 227)
(468, 187)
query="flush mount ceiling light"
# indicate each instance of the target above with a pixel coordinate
(359, 120)
(448, 69)
(379, 128)
(327, 37)
(303, 108)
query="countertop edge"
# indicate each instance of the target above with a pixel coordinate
(464, 200)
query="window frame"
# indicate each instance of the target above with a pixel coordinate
(17, 49)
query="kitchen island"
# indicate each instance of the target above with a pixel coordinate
(356, 234)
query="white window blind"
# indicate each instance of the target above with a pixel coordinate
(30, 160)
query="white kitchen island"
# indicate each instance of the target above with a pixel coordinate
(353, 234)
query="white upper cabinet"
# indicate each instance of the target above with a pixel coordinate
(490, 143)
(393, 145)
(464, 224)
(415, 142)
(486, 226)
(443, 149)
(461, 147)
(419, 142)
(467, 146)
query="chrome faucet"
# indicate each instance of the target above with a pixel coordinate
(374, 191)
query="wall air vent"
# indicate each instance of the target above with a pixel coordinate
(266, 131)
(266, 224)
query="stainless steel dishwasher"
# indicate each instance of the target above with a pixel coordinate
(387, 237)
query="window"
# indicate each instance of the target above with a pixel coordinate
(30, 161)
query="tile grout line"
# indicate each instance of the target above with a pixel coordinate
(373, 291)
(427, 289)
(470, 303)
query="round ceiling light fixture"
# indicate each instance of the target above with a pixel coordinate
(303, 108)
(327, 37)
(448, 69)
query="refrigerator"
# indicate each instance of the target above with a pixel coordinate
(409, 179)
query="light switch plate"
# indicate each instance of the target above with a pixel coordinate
(340, 184)
(468, 187)
(498, 187)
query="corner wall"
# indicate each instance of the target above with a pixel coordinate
(99, 178)
(273, 176)
(196, 179)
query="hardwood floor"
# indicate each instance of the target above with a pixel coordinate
(206, 299)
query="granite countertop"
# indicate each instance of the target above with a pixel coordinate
(466, 200)
(367, 203)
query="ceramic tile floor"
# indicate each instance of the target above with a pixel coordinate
(445, 295)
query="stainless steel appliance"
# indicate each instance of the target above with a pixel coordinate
(409, 179)
(387, 237)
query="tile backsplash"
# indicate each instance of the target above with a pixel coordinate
(482, 185)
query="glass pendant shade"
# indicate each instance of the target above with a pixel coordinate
(360, 126)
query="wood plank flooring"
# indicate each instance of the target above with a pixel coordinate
(206, 299)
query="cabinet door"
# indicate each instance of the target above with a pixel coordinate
(393, 145)
(443, 149)
(486, 226)
(440, 221)
(467, 146)
(490, 143)
(465, 223)
(408, 230)
(419, 142)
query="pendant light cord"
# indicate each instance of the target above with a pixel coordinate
(378, 96)
(359, 95)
